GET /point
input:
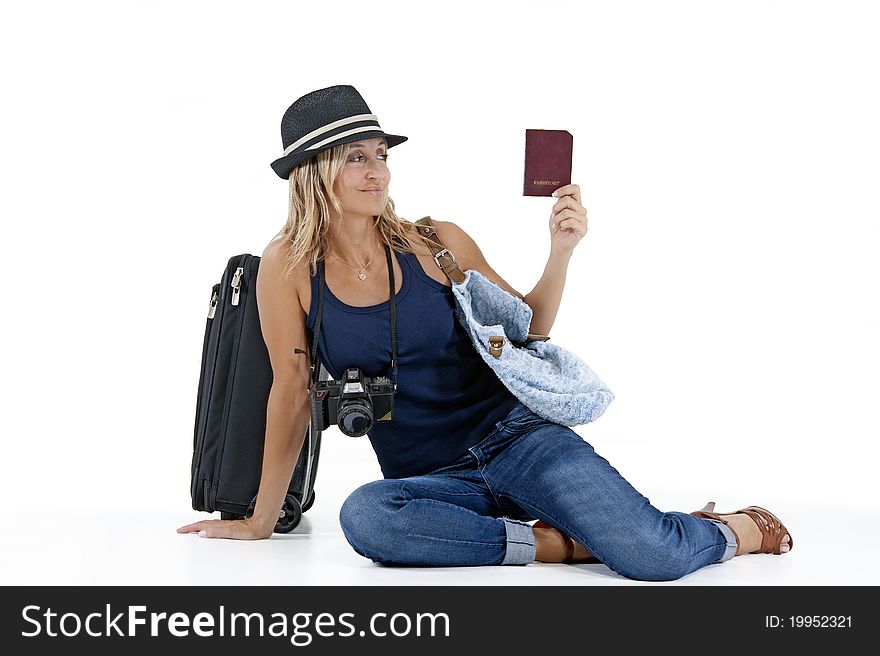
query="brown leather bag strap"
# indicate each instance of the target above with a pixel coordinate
(446, 261)
(444, 258)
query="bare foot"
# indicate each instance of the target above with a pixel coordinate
(749, 534)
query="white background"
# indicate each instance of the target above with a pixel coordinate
(726, 290)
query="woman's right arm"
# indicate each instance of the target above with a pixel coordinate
(288, 414)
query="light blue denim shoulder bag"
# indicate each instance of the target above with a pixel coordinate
(550, 380)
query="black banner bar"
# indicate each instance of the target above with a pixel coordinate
(399, 619)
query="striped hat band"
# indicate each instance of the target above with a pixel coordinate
(333, 131)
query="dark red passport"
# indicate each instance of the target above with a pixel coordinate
(548, 161)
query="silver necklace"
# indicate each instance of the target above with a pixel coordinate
(361, 272)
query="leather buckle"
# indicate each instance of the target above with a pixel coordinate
(439, 254)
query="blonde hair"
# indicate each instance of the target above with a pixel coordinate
(313, 204)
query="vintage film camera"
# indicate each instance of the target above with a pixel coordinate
(352, 403)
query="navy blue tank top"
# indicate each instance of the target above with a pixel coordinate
(447, 398)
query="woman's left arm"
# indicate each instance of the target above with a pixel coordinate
(568, 225)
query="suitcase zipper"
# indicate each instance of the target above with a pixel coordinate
(236, 285)
(207, 390)
(215, 297)
(230, 378)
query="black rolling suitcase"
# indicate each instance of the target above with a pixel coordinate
(233, 394)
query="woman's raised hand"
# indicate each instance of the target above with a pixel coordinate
(568, 219)
(235, 529)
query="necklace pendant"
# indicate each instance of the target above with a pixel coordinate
(362, 276)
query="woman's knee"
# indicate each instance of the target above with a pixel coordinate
(367, 519)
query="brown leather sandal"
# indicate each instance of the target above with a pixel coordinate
(772, 530)
(569, 545)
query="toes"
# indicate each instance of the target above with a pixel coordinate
(784, 546)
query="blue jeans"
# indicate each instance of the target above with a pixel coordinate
(475, 510)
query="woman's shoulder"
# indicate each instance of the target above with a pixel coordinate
(276, 255)
(293, 280)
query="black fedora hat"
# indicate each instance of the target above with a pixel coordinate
(325, 118)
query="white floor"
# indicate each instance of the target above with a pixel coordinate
(831, 547)
(129, 535)
(131, 538)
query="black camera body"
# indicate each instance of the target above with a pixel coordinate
(352, 403)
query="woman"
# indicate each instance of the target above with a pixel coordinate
(466, 466)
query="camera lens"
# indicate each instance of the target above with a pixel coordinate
(354, 417)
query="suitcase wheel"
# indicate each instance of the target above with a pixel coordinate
(290, 516)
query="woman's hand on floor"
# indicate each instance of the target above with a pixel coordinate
(235, 529)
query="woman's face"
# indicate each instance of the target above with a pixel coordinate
(365, 169)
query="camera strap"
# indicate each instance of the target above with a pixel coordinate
(317, 330)
(315, 364)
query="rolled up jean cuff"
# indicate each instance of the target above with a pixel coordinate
(730, 536)
(520, 542)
